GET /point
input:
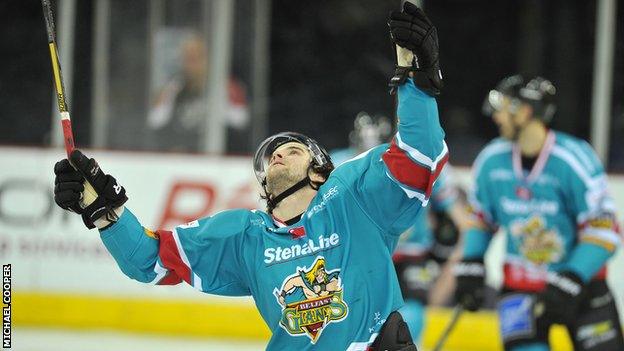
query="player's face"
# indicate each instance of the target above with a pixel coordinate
(320, 275)
(504, 119)
(287, 166)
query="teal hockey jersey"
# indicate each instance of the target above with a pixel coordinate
(418, 239)
(326, 282)
(557, 216)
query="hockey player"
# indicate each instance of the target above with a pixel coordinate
(547, 191)
(426, 250)
(423, 249)
(368, 132)
(318, 262)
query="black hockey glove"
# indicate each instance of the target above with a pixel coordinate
(68, 186)
(110, 194)
(561, 298)
(445, 237)
(70, 193)
(411, 29)
(394, 335)
(470, 291)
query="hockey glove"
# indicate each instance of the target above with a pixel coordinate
(445, 237)
(109, 195)
(561, 298)
(470, 291)
(394, 335)
(68, 186)
(416, 40)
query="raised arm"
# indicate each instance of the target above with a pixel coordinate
(393, 182)
(204, 253)
(417, 153)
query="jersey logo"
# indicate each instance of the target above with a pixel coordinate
(536, 242)
(117, 188)
(311, 299)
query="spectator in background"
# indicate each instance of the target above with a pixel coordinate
(177, 119)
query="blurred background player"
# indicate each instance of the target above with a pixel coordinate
(424, 249)
(427, 251)
(368, 132)
(177, 119)
(548, 192)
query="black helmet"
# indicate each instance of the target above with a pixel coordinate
(321, 162)
(537, 92)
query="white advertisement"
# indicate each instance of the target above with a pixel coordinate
(52, 251)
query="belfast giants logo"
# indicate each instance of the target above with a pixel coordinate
(311, 299)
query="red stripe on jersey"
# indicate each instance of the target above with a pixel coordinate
(515, 278)
(409, 172)
(172, 261)
(170, 279)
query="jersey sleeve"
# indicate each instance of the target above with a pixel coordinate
(391, 183)
(417, 153)
(482, 222)
(444, 193)
(594, 209)
(206, 253)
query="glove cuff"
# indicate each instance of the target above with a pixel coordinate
(428, 80)
(100, 209)
(470, 268)
(568, 282)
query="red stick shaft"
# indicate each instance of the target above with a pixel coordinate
(68, 136)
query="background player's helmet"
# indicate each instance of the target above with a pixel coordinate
(369, 131)
(321, 162)
(537, 92)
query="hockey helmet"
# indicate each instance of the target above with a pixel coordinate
(538, 92)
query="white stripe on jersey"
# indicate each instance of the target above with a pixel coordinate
(197, 282)
(581, 154)
(576, 166)
(160, 273)
(419, 156)
(498, 147)
(410, 193)
(602, 234)
(357, 157)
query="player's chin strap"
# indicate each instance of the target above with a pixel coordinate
(273, 201)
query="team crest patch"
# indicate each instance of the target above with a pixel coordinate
(311, 299)
(536, 241)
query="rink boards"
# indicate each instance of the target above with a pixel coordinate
(63, 276)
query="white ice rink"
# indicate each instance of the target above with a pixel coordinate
(30, 339)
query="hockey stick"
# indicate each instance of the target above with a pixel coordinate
(457, 311)
(58, 77)
(59, 87)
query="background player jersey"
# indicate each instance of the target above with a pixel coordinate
(418, 239)
(340, 156)
(556, 216)
(326, 282)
